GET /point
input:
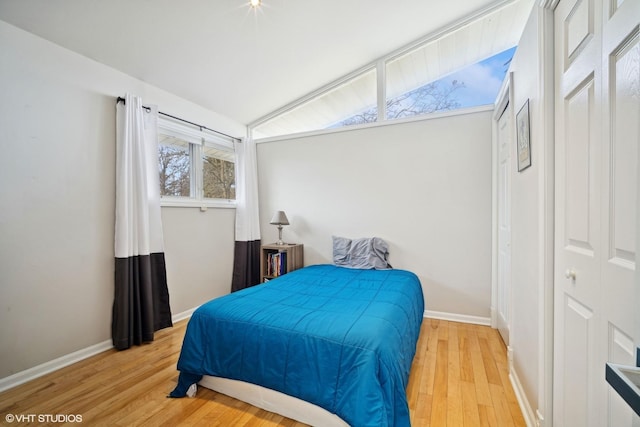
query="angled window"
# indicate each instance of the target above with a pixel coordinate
(472, 86)
(196, 167)
(457, 67)
(329, 109)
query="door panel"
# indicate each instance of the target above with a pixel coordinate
(578, 29)
(578, 320)
(581, 219)
(624, 81)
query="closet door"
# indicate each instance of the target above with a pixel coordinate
(505, 142)
(620, 217)
(596, 62)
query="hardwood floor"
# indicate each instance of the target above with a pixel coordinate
(459, 378)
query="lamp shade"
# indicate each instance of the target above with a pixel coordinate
(279, 218)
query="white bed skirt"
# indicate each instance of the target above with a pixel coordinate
(273, 401)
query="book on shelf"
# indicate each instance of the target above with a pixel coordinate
(276, 264)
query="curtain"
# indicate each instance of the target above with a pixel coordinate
(246, 261)
(141, 302)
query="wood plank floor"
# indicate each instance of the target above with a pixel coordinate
(459, 378)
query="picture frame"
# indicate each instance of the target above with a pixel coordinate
(523, 137)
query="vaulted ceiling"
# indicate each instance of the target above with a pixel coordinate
(234, 60)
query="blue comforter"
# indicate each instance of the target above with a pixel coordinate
(340, 338)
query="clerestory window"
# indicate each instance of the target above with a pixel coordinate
(461, 66)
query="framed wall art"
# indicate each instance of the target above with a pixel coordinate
(523, 137)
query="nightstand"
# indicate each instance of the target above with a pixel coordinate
(276, 260)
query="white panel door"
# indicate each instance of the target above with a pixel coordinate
(621, 137)
(597, 136)
(505, 140)
(577, 218)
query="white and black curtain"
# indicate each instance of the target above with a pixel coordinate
(141, 303)
(246, 262)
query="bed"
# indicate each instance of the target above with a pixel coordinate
(341, 339)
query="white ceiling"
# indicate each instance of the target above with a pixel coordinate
(228, 58)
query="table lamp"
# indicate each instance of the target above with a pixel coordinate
(279, 219)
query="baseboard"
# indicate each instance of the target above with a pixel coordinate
(69, 359)
(454, 317)
(494, 318)
(53, 365)
(527, 412)
(184, 315)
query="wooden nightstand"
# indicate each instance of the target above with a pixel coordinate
(276, 260)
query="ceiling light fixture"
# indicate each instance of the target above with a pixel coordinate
(255, 3)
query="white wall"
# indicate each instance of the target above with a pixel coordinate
(423, 186)
(57, 190)
(199, 254)
(532, 209)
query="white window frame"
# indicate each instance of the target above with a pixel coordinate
(196, 138)
(448, 32)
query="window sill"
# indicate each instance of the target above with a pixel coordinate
(201, 204)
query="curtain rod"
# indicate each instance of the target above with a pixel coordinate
(121, 99)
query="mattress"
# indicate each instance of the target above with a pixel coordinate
(342, 339)
(273, 401)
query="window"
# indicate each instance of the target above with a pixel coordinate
(196, 167)
(175, 167)
(219, 175)
(472, 86)
(409, 89)
(353, 97)
(460, 66)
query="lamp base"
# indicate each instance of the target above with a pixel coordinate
(280, 242)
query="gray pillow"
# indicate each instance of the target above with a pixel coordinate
(365, 253)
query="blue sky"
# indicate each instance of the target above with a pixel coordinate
(482, 80)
